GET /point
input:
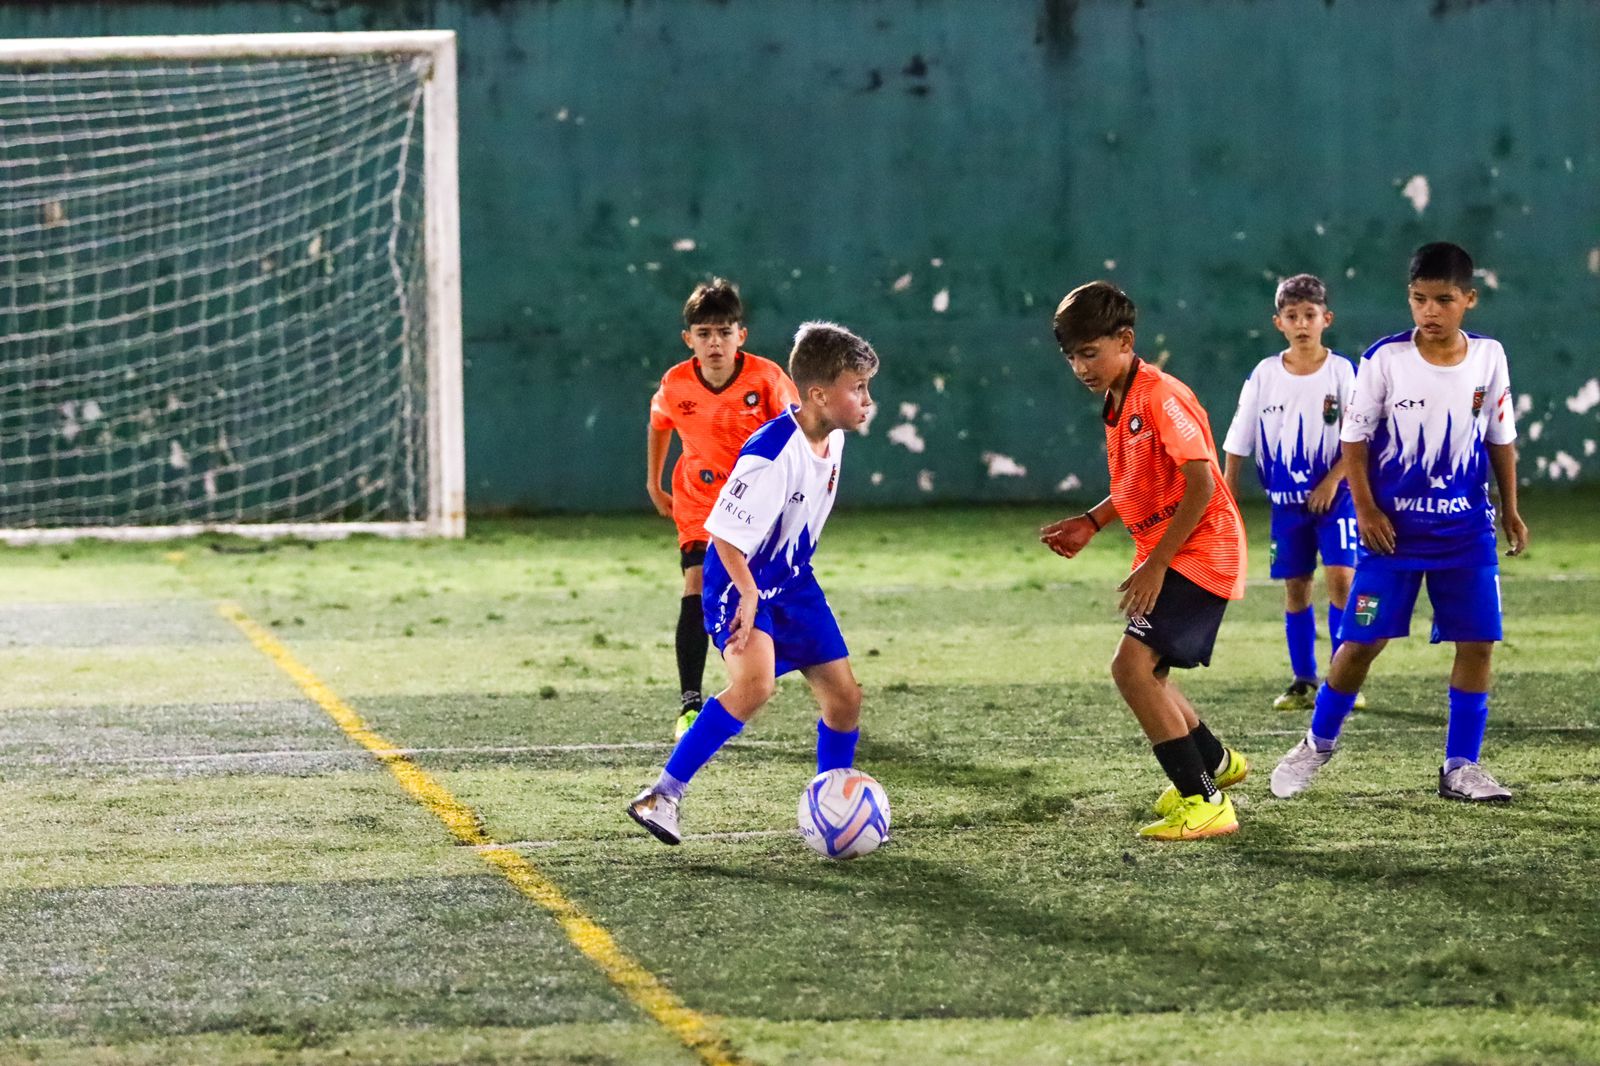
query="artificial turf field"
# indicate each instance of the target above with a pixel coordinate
(198, 865)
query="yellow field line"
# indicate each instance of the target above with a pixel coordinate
(640, 985)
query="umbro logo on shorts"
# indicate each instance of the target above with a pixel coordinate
(1139, 622)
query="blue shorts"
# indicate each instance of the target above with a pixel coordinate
(1466, 603)
(797, 618)
(1298, 536)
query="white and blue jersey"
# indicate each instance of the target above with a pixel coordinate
(1290, 422)
(1428, 429)
(772, 508)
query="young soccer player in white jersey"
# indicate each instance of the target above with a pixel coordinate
(1432, 417)
(763, 606)
(1289, 415)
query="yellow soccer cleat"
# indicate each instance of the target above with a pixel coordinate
(685, 720)
(1299, 696)
(1195, 818)
(1235, 770)
(1361, 702)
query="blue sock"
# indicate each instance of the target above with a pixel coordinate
(1301, 629)
(835, 750)
(1463, 739)
(712, 729)
(1335, 620)
(1333, 707)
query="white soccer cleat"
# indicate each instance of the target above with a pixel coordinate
(1295, 770)
(658, 813)
(1473, 784)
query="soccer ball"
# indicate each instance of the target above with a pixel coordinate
(844, 814)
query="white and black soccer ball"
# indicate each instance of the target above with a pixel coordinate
(844, 814)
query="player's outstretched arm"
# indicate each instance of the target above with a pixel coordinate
(656, 461)
(1069, 536)
(744, 616)
(1377, 532)
(1503, 458)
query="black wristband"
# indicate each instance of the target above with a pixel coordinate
(1092, 520)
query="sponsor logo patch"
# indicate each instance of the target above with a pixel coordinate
(798, 497)
(708, 476)
(1406, 405)
(1366, 609)
(736, 490)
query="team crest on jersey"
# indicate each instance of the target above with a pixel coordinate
(1330, 409)
(1135, 424)
(1366, 609)
(1477, 398)
(833, 476)
(708, 476)
(752, 398)
(686, 406)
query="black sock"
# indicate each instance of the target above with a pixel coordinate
(1212, 753)
(692, 643)
(1181, 760)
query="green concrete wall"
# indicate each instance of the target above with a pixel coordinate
(936, 173)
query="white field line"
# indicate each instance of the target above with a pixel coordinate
(749, 834)
(654, 745)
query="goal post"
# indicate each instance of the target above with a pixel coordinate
(230, 287)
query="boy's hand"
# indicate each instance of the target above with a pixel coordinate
(1067, 537)
(1321, 497)
(1142, 587)
(1516, 532)
(661, 499)
(744, 622)
(1377, 532)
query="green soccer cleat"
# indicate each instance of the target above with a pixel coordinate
(1299, 696)
(1234, 770)
(1195, 818)
(685, 720)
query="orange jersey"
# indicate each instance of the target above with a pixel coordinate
(1162, 426)
(713, 425)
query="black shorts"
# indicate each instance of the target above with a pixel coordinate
(691, 554)
(1182, 626)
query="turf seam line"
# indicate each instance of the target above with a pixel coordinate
(642, 987)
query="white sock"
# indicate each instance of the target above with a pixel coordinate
(1320, 743)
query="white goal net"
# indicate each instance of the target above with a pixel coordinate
(228, 286)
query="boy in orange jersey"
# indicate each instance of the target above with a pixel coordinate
(1189, 552)
(714, 400)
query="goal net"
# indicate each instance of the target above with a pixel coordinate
(229, 286)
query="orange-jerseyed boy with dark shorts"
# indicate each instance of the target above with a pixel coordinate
(714, 400)
(1189, 557)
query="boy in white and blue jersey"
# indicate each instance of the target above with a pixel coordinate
(1432, 417)
(1289, 415)
(763, 607)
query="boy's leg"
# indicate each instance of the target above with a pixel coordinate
(1227, 767)
(1381, 609)
(692, 640)
(750, 684)
(1466, 610)
(1134, 669)
(838, 695)
(1293, 560)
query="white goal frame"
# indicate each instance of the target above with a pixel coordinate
(446, 508)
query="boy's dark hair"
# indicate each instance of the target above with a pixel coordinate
(824, 350)
(1302, 288)
(1089, 312)
(1442, 261)
(713, 303)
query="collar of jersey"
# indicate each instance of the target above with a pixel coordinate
(738, 365)
(1109, 416)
